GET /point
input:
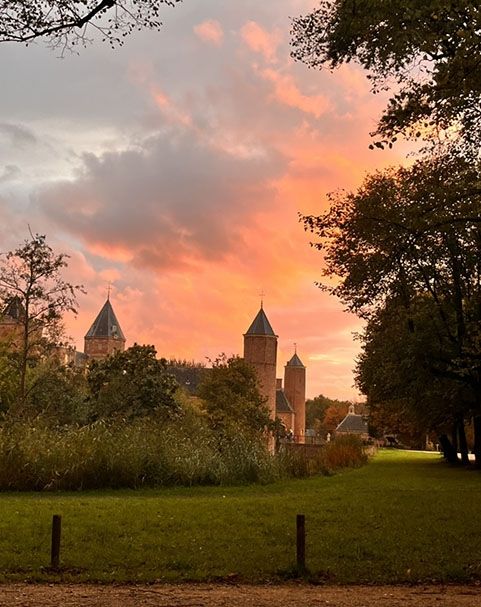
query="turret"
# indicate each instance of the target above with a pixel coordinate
(105, 335)
(295, 389)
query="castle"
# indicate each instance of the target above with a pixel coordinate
(286, 402)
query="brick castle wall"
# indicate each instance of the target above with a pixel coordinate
(101, 347)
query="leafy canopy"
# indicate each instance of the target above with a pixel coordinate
(130, 384)
(409, 236)
(406, 373)
(231, 396)
(429, 52)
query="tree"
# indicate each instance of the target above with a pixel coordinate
(230, 392)
(60, 393)
(32, 286)
(405, 375)
(65, 23)
(409, 232)
(324, 414)
(130, 384)
(430, 51)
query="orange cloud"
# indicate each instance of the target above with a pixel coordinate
(173, 114)
(210, 31)
(261, 41)
(287, 92)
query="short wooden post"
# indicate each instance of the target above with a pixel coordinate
(56, 533)
(301, 542)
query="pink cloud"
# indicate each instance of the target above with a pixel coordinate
(261, 41)
(287, 92)
(210, 31)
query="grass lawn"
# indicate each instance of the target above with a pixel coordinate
(404, 517)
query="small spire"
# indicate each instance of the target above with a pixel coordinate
(108, 290)
(295, 348)
(262, 295)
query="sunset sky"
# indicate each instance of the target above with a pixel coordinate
(176, 166)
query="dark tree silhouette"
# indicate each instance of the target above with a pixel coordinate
(66, 23)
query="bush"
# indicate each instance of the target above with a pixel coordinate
(305, 460)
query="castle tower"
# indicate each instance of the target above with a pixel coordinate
(11, 324)
(260, 351)
(105, 335)
(295, 389)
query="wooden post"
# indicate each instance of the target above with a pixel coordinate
(56, 532)
(301, 542)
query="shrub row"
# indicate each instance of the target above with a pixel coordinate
(343, 452)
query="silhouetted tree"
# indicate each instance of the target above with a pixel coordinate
(66, 23)
(429, 51)
(412, 232)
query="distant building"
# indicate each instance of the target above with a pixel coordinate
(11, 324)
(353, 424)
(105, 337)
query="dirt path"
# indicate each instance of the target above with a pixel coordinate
(203, 595)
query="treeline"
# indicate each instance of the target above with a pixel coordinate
(125, 422)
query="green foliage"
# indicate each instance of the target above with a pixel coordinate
(130, 384)
(406, 373)
(231, 396)
(430, 50)
(58, 393)
(30, 278)
(35, 455)
(8, 380)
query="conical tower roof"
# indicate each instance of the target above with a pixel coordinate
(106, 324)
(260, 325)
(295, 362)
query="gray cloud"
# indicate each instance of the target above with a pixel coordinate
(174, 199)
(10, 173)
(17, 135)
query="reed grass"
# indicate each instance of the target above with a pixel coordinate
(37, 456)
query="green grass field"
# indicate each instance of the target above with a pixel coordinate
(404, 517)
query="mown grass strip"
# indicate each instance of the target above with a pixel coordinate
(404, 517)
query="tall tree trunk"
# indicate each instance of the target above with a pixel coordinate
(477, 440)
(23, 365)
(454, 436)
(448, 450)
(463, 444)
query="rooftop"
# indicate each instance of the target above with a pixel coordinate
(260, 325)
(106, 324)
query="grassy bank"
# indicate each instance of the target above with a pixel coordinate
(404, 517)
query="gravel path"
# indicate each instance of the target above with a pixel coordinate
(204, 595)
